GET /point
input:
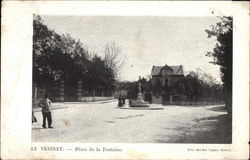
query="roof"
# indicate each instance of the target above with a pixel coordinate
(176, 70)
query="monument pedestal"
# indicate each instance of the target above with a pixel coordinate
(139, 102)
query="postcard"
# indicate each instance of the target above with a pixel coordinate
(125, 80)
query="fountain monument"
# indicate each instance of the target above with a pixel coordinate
(139, 102)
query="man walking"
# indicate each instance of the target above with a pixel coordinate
(45, 103)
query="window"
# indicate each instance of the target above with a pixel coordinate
(166, 82)
(164, 72)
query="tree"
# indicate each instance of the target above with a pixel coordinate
(113, 58)
(57, 57)
(192, 86)
(200, 85)
(44, 45)
(99, 75)
(76, 57)
(222, 54)
(132, 87)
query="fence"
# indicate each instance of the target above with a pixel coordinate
(192, 103)
(85, 96)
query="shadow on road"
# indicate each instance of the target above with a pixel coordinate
(219, 108)
(38, 128)
(216, 129)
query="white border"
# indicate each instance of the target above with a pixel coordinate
(17, 67)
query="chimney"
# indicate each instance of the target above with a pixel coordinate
(181, 67)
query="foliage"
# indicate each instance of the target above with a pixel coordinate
(202, 86)
(57, 57)
(99, 75)
(222, 54)
(132, 87)
(195, 86)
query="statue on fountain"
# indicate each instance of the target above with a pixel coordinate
(139, 102)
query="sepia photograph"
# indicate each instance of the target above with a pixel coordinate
(124, 80)
(132, 79)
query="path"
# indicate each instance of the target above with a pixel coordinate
(81, 122)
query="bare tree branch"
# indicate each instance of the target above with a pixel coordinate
(113, 57)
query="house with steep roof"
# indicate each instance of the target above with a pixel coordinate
(167, 84)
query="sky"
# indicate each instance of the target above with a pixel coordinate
(144, 41)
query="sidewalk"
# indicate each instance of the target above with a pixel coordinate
(62, 105)
(94, 102)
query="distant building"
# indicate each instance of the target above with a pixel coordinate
(167, 84)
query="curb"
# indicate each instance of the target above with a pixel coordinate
(62, 106)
